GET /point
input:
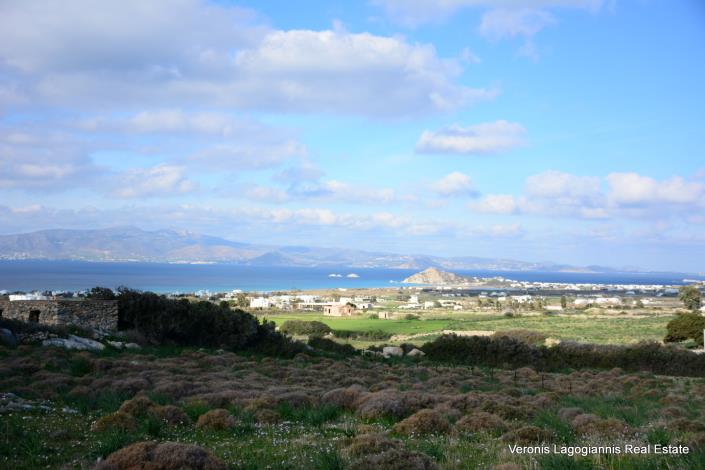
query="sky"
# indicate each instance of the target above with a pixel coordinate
(568, 131)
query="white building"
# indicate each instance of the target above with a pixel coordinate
(260, 302)
(32, 296)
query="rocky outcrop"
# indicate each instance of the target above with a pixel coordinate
(434, 276)
(75, 342)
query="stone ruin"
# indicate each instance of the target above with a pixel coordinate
(101, 315)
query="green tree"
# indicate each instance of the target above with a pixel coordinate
(691, 297)
(564, 301)
(685, 326)
(101, 293)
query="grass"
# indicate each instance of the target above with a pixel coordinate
(582, 328)
(316, 437)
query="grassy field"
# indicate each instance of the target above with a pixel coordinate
(330, 414)
(616, 329)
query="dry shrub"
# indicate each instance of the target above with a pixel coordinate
(296, 399)
(673, 412)
(343, 397)
(591, 425)
(118, 421)
(527, 373)
(685, 425)
(423, 422)
(466, 402)
(172, 415)
(264, 402)
(137, 406)
(266, 416)
(380, 404)
(695, 441)
(216, 420)
(527, 435)
(567, 414)
(676, 400)
(395, 459)
(481, 421)
(80, 391)
(371, 443)
(161, 456)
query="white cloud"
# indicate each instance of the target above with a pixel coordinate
(486, 138)
(207, 140)
(504, 22)
(159, 181)
(32, 159)
(559, 185)
(329, 191)
(455, 184)
(632, 189)
(629, 195)
(134, 53)
(496, 204)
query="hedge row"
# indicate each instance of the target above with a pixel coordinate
(505, 352)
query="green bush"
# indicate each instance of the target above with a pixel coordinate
(329, 345)
(302, 327)
(370, 335)
(165, 321)
(509, 352)
(686, 326)
(525, 336)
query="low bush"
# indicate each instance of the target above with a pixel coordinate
(329, 345)
(302, 327)
(163, 455)
(370, 335)
(685, 326)
(525, 336)
(508, 352)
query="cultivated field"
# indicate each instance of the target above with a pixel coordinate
(315, 412)
(611, 328)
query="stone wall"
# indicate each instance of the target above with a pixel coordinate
(94, 314)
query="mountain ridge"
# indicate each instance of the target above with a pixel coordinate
(129, 243)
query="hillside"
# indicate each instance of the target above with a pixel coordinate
(434, 276)
(134, 244)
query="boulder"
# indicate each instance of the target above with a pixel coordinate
(75, 342)
(132, 346)
(116, 344)
(7, 338)
(389, 351)
(416, 353)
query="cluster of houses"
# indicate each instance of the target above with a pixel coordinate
(414, 304)
(343, 307)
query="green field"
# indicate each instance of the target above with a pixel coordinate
(618, 329)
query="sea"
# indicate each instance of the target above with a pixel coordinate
(29, 275)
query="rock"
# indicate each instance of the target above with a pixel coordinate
(75, 342)
(34, 338)
(116, 344)
(132, 346)
(416, 353)
(389, 351)
(7, 338)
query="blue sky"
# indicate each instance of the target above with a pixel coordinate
(546, 130)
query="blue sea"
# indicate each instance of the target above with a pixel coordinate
(163, 277)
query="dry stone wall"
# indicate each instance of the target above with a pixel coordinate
(94, 314)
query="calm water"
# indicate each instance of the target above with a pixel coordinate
(162, 277)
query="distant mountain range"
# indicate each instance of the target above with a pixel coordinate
(134, 244)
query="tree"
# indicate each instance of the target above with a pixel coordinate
(564, 301)
(101, 293)
(691, 297)
(685, 326)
